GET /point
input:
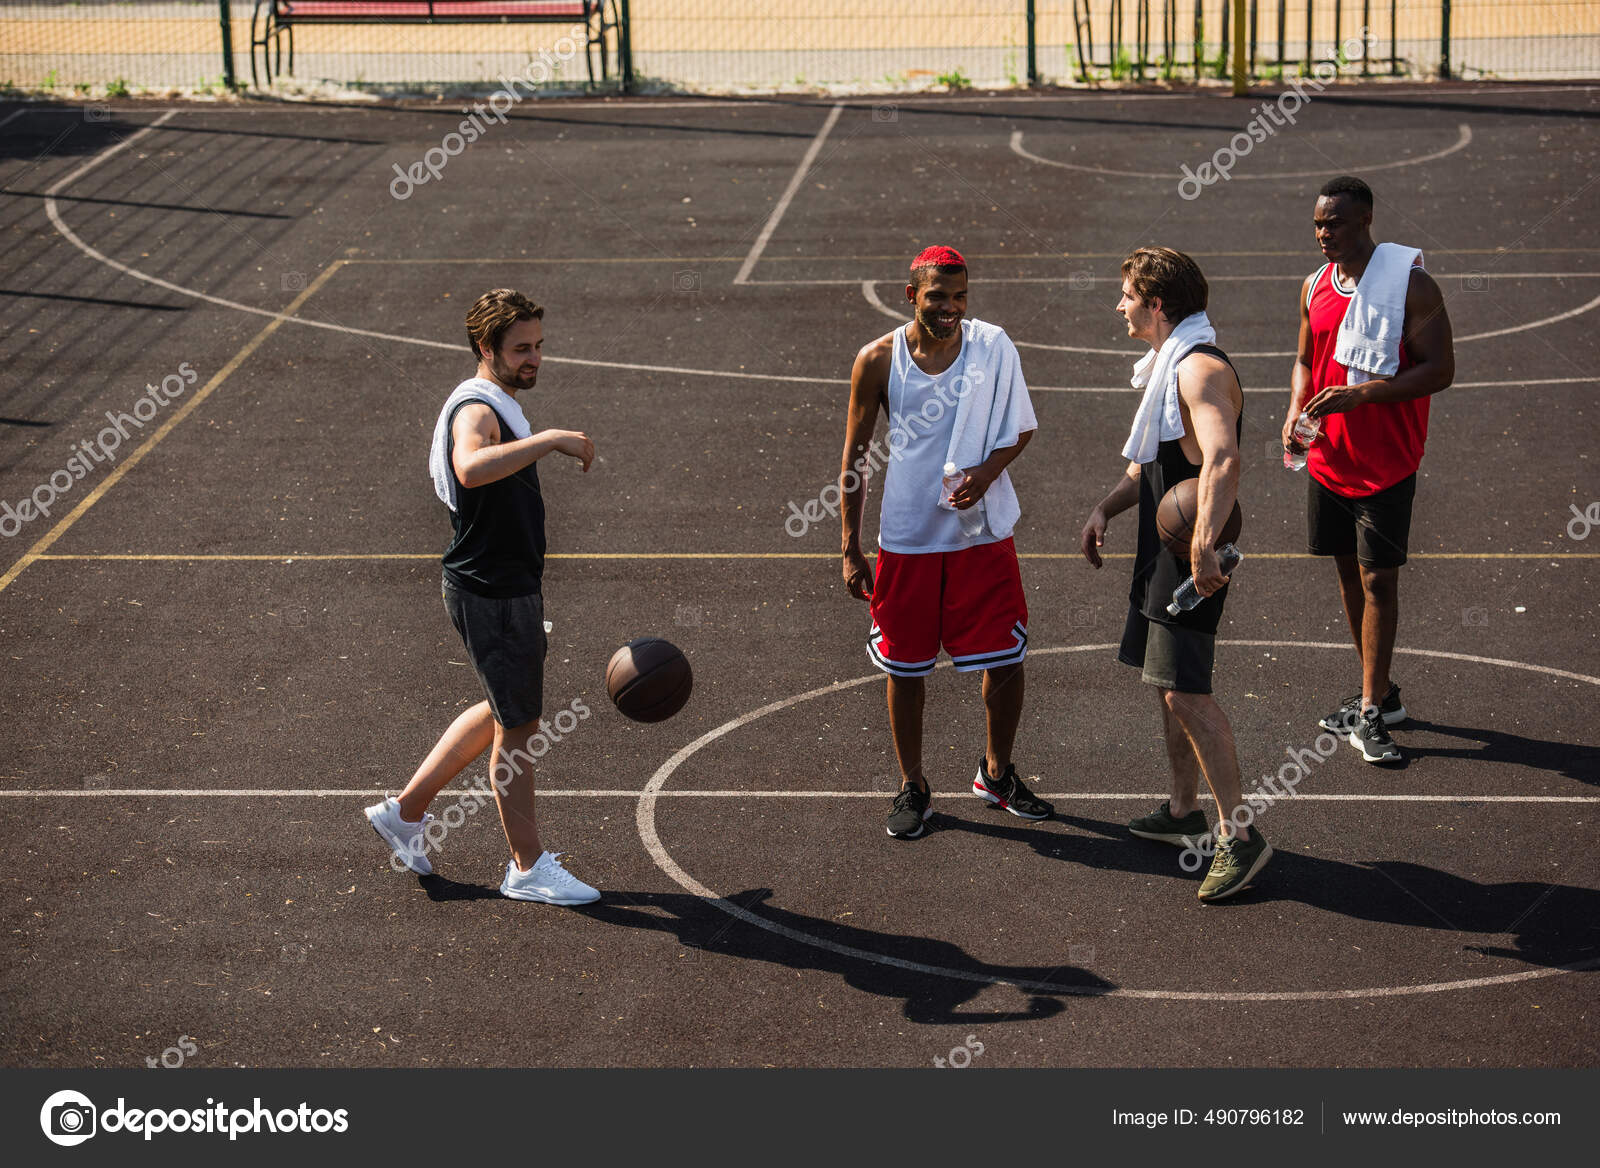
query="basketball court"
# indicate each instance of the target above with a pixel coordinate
(226, 640)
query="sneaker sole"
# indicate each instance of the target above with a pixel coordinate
(399, 849)
(1356, 742)
(994, 800)
(1176, 840)
(539, 898)
(919, 833)
(1255, 869)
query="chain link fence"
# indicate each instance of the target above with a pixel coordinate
(116, 46)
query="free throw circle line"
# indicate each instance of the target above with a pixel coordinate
(645, 819)
(1463, 139)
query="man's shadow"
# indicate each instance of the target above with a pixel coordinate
(1568, 759)
(1550, 924)
(932, 998)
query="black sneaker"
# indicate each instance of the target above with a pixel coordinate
(1344, 719)
(912, 807)
(1371, 738)
(1189, 832)
(1008, 793)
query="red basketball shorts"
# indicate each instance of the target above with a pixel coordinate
(969, 602)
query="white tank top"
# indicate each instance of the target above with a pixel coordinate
(922, 418)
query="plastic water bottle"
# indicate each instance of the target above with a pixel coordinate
(972, 517)
(1306, 429)
(1186, 596)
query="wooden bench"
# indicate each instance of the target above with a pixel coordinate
(273, 23)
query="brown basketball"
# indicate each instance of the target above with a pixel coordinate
(1176, 513)
(649, 679)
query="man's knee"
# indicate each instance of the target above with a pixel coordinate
(1189, 707)
(1380, 585)
(905, 687)
(1002, 675)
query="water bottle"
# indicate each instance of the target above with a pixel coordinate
(972, 517)
(1306, 429)
(1186, 596)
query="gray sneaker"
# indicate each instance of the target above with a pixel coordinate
(1371, 738)
(912, 807)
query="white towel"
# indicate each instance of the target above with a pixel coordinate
(993, 411)
(1368, 344)
(1159, 418)
(472, 389)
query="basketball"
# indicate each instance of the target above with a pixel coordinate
(649, 679)
(1176, 513)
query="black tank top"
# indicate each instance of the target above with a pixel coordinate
(1157, 571)
(497, 548)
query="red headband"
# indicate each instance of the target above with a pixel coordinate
(939, 257)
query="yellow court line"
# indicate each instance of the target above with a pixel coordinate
(287, 557)
(37, 551)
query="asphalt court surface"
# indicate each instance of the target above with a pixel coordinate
(250, 603)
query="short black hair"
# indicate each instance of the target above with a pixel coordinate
(1346, 184)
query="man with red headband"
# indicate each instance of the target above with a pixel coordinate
(947, 571)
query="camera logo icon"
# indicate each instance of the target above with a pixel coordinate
(686, 281)
(68, 1118)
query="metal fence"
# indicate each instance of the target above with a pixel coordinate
(114, 46)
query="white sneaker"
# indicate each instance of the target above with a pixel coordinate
(405, 839)
(547, 882)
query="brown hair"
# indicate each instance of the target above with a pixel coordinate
(493, 314)
(1160, 273)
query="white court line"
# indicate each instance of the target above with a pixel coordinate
(54, 212)
(870, 294)
(645, 818)
(788, 195)
(626, 793)
(1463, 139)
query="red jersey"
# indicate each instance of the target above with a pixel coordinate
(1377, 444)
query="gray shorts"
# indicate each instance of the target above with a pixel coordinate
(1171, 656)
(505, 642)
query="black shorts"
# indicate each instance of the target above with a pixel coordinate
(506, 643)
(1373, 528)
(1171, 656)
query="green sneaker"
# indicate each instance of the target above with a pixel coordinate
(1160, 824)
(1235, 865)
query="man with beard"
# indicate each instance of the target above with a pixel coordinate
(953, 392)
(482, 463)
